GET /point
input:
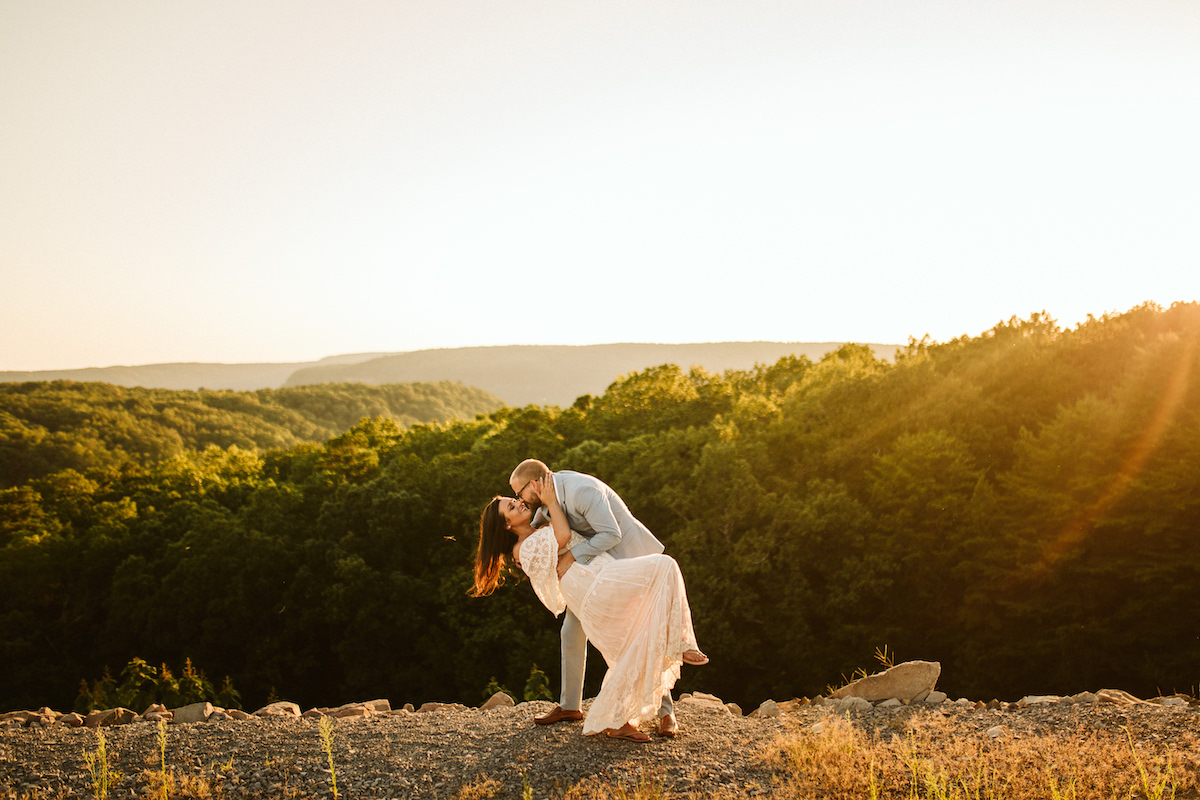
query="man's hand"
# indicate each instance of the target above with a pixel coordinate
(544, 489)
(564, 563)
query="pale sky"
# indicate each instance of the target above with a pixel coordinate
(246, 181)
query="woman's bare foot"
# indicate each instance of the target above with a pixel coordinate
(629, 733)
(695, 658)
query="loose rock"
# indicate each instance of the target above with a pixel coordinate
(196, 712)
(498, 700)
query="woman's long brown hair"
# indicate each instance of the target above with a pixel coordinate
(496, 542)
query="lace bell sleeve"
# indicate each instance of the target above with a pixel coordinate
(539, 560)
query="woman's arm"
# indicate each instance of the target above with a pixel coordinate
(538, 554)
(558, 518)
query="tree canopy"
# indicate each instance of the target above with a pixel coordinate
(46, 427)
(1020, 505)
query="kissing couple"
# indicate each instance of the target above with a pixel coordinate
(585, 554)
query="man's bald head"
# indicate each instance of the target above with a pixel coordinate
(526, 472)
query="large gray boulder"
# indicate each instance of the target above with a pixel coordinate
(909, 682)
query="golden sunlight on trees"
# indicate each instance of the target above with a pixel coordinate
(1020, 506)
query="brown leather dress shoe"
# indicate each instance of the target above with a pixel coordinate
(558, 714)
(668, 726)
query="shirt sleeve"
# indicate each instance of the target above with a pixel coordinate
(592, 505)
(539, 560)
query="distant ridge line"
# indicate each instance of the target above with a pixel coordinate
(558, 374)
(518, 374)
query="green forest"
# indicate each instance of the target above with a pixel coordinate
(47, 427)
(1022, 506)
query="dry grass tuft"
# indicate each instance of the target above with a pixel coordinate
(923, 759)
(181, 786)
(646, 785)
(482, 788)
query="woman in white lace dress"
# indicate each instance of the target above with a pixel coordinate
(633, 610)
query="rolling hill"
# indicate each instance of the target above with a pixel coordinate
(557, 374)
(185, 376)
(517, 374)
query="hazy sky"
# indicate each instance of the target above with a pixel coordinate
(280, 181)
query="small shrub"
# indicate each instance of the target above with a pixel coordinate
(537, 687)
(141, 685)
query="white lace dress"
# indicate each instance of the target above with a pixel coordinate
(634, 611)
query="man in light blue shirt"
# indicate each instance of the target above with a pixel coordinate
(596, 512)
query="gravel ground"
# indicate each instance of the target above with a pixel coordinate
(409, 755)
(437, 754)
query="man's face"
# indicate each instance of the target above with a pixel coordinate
(525, 493)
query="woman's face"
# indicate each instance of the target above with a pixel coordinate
(516, 514)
